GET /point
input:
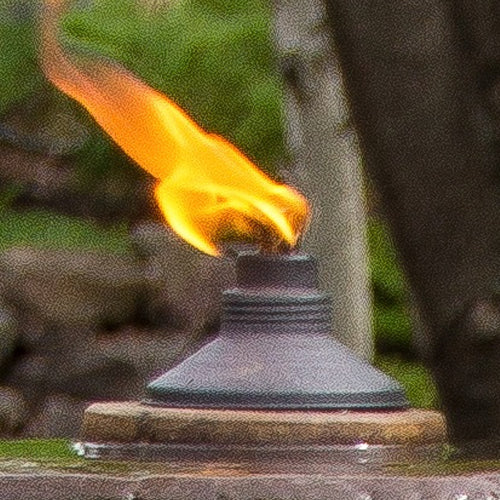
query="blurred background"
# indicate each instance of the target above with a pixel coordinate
(96, 295)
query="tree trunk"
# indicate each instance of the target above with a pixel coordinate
(326, 165)
(420, 101)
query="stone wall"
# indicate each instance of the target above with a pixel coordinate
(81, 326)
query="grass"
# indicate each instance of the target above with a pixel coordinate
(36, 449)
(415, 379)
(44, 229)
(56, 455)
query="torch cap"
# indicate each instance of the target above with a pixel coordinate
(257, 270)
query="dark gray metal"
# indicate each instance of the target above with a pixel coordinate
(275, 351)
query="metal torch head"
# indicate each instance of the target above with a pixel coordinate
(275, 350)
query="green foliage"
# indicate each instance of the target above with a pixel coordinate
(391, 322)
(213, 58)
(19, 75)
(414, 378)
(48, 230)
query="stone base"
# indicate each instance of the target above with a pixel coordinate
(214, 485)
(204, 483)
(132, 422)
(285, 476)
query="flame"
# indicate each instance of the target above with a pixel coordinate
(206, 187)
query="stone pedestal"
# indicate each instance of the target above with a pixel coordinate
(231, 454)
(131, 422)
(211, 483)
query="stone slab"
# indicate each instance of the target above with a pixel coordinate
(214, 485)
(129, 422)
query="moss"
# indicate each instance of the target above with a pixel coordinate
(445, 467)
(36, 449)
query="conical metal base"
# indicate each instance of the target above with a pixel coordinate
(274, 350)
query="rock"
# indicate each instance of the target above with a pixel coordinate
(128, 422)
(70, 361)
(149, 352)
(31, 330)
(113, 365)
(97, 366)
(73, 287)
(29, 371)
(77, 330)
(59, 416)
(184, 285)
(8, 333)
(13, 410)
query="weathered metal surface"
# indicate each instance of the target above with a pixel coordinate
(275, 351)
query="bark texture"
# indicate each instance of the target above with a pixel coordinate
(423, 78)
(326, 165)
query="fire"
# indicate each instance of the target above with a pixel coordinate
(206, 187)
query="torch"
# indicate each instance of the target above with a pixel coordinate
(274, 351)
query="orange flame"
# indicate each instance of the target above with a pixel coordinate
(206, 186)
